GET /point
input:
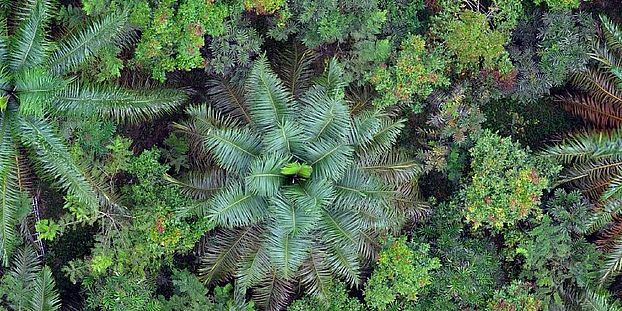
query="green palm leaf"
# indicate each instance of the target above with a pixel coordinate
(315, 274)
(332, 80)
(29, 45)
(44, 295)
(82, 45)
(323, 117)
(9, 190)
(287, 137)
(328, 159)
(265, 176)
(233, 148)
(55, 159)
(112, 102)
(269, 102)
(344, 262)
(228, 97)
(233, 207)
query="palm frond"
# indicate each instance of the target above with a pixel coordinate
(332, 80)
(113, 102)
(605, 215)
(228, 97)
(294, 67)
(287, 137)
(595, 301)
(287, 248)
(328, 159)
(80, 46)
(30, 46)
(313, 195)
(273, 293)
(324, 117)
(9, 190)
(601, 85)
(35, 89)
(384, 138)
(613, 263)
(233, 148)
(224, 252)
(200, 185)
(270, 103)
(4, 42)
(44, 295)
(232, 207)
(264, 177)
(254, 267)
(24, 271)
(613, 34)
(364, 126)
(314, 273)
(601, 113)
(55, 159)
(393, 167)
(583, 146)
(344, 262)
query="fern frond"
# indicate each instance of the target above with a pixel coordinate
(294, 67)
(56, 160)
(112, 102)
(269, 102)
(228, 97)
(30, 46)
(82, 45)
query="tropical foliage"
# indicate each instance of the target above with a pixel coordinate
(295, 168)
(310, 155)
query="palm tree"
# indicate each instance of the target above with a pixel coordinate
(40, 81)
(302, 188)
(595, 156)
(29, 286)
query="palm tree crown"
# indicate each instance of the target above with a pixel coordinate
(307, 186)
(39, 80)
